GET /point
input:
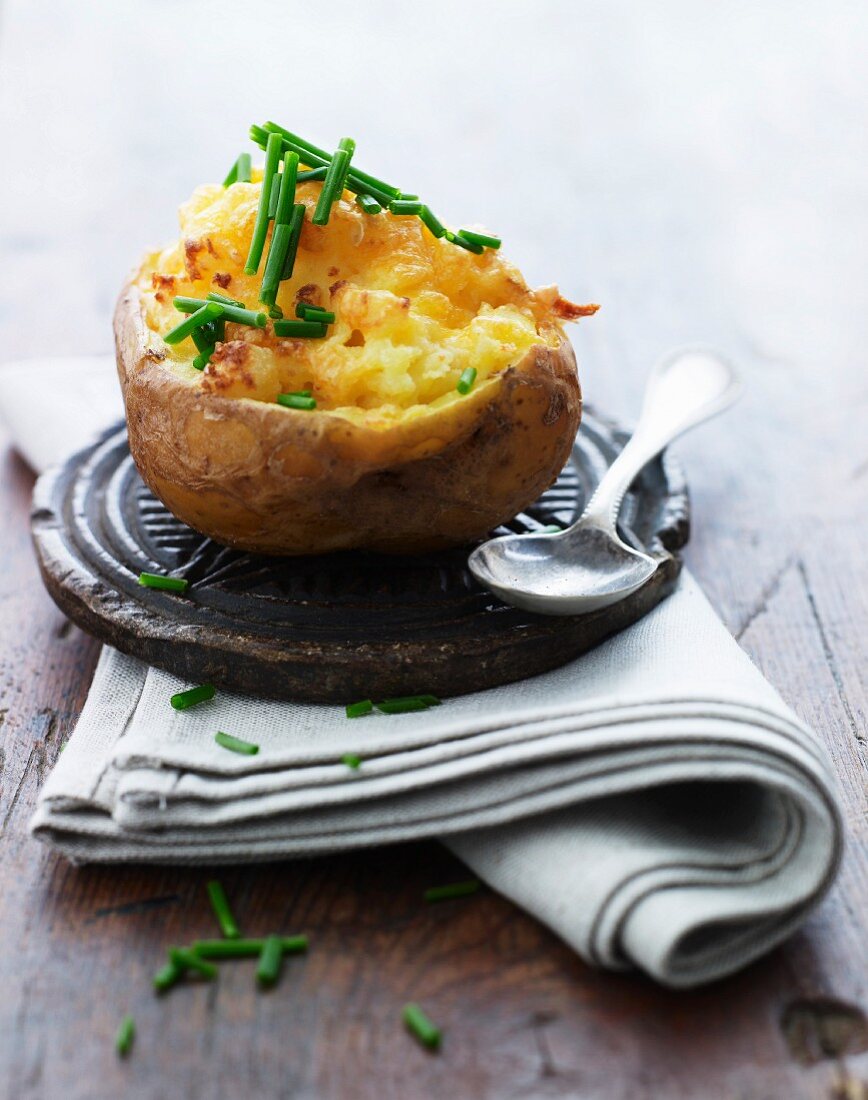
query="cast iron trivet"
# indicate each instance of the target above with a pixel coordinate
(325, 629)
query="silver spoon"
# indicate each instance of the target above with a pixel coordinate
(588, 565)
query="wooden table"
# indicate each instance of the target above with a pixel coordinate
(699, 169)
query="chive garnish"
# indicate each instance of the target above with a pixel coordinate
(405, 206)
(369, 204)
(296, 401)
(220, 905)
(259, 134)
(299, 328)
(273, 199)
(270, 960)
(314, 313)
(235, 744)
(247, 948)
(351, 760)
(333, 184)
(358, 710)
(207, 312)
(433, 223)
(213, 296)
(421, 1027)
(295, 224)
(183, 959)
(126, 1034)
(186, 699)
(406, 195)
(403, 705)
(275, 313)
(464, 242)
(277, 253)
(431, 700)
(204, 338)
(228, 311)
(453, 890)
(273, 147)
(465, 382)
(287, 189)
(239, 172)
(313, 174)
(201, 361)
(164, 979)
(168, 584)
(483, 239)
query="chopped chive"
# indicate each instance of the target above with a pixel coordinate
(204, 339)
(273, 148)
(358, 710)
(274, 198)
(240, 171)
(351, 760)
(164, 979)
(185, 959)
(244, 168)
(169, 584)
(299, 328)
(205, 313)
(220, 905)
(465, 382)
(332, 186)
(421, 1027)
(453, 890)
(295, 224)
(463, 242)
(275, 313)
(287, 189)
(229, 311)
(405, 206)
(201, 361)
(296, 401)
(407, 196)
(232, 174)
(126, 1034)
(213, 296)
(277, 253)
(186, 699)
(431, 700)
(402, 706)
(247, 948)
(435, 226)
(235, 744)
(369, 204)
(306, 147)
(480, 238)
(314, 313)
(313, 174)
(270, 960)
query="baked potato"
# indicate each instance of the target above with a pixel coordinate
(393, 457)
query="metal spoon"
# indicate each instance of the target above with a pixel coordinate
(588, 565)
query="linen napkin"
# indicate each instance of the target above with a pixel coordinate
(654, 802)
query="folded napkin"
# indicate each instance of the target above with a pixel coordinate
(654, 802)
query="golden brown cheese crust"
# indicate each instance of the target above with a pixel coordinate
(262, 477)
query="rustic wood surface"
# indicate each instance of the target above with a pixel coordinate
(700, 170)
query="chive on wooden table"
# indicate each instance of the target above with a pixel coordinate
(697, 169)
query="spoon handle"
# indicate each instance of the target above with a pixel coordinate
(686, 388)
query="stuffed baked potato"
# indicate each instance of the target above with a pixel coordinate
(389, 455)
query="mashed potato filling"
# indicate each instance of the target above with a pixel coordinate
(412, 311)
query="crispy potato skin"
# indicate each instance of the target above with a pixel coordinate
(281, 481)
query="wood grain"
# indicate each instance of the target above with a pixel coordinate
(698, 169)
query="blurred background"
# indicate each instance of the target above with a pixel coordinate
(699, 169)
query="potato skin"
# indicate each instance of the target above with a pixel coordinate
(265, 478)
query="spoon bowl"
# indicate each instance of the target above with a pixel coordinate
(588, 565)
